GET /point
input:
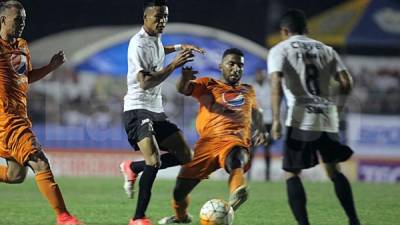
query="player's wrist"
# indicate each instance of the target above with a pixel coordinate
(177, 47)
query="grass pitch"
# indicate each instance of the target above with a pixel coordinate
(101, 201)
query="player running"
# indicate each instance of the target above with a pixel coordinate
(224, 124)
(18, 144)
(305, 67)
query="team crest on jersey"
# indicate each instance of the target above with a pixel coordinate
(19, 63)
(233, 98)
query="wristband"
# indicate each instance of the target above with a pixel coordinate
(178, 47)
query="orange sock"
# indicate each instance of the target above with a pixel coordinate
(236, 179)
(49, 188)
(3, 174)
(181, 208)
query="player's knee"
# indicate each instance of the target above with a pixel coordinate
(153, 162)
(237, 158)
(16, 178)
(39, 162)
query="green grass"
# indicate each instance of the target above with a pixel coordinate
(101, 201)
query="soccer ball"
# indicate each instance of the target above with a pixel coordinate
(216, 212)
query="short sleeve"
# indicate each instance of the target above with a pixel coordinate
(276, 59)
(200, 87)
(253, 97)
(137, 56)
(339, 63)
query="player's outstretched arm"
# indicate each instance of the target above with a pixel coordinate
(184, 84)
(149, 80)
(276, 97)
(56, 61)
(173, 48)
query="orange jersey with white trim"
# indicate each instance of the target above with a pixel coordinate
(14, 67)
(225, 111)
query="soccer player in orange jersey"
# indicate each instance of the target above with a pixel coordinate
(224, 124)
(18, 143)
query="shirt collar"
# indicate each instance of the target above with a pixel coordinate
(145, 34)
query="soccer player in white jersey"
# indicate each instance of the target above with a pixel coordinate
(303, 67)
(145, 123)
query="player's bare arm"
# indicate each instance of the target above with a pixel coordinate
(182, 47)
(345, 82)
(276, 97)
(258, 133)
(56, 61)
(346, 85)
(184, 84)
(151, 79)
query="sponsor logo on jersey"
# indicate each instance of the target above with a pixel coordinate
(19, 63)
(233, 98)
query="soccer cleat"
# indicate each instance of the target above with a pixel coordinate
(173, 220)
(67, 219)
(141, 221)
(238, 197)
(129, 177)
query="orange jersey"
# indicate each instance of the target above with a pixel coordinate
(14, 67)
(17, 140)
(225, 111)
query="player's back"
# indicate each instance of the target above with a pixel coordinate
(308, 67)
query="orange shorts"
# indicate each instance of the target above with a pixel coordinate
(17, 140)
(209, 155)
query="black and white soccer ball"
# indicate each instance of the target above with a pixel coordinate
(216, 212)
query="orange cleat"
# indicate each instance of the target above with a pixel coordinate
(141, 221)
(129, 177)
(67, 219)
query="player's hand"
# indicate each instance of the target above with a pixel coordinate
(57, 60)
(193, 48)
(182, 58)
(188, 73)
(276, 130)
(259, 138)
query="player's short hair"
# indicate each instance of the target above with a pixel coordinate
(5, 5)
(151, 3)
(234, 51)
(295, 21)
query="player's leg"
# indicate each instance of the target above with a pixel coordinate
(176, 145)
(299, 153)
(343, 191)
(49, 188)
(13, 173)
(296, 196)
(267, 153)
(180, 201)
(333, 152)
(149, 147)
(235, 162)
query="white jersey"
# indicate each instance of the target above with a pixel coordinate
(308, 67)
(263, 95)
(145, 53)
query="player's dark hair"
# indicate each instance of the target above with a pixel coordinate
(4, 5)
(234, 51)
(295, 21)
(151, 3)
